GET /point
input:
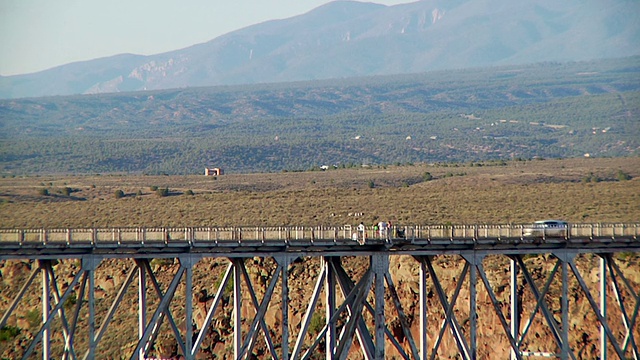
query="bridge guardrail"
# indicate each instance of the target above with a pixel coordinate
(188, 236)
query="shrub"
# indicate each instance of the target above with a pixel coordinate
(162, 192)
(317, 323)
(43, 192)
(9, 332)
(70, 302)
(33, 317)
(160, 262)
(189, 192)
(153, 188)
(66, 191)
(622, 176)
(591, 178)
(119, 194)
(371, 184)
(427, 176)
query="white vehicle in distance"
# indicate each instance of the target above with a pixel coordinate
(547, 228)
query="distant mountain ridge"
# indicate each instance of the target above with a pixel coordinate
(347, 39)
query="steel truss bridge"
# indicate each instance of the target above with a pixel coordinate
(355, 319)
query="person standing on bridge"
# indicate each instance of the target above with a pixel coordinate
(383, 229)
(362, 234)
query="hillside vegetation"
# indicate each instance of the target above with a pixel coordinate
(547, 110)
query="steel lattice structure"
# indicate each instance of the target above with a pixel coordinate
(356, 305)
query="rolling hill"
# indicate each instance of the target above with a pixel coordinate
(546, 110)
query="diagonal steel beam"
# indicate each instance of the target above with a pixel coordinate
(348, 301)
(344, 343)
(167, 311)
(114, 306)
(595, 308)
(497, 309)
(68, 345)
(216, 300)
(164, 303)
(403, 318)
(304, 327)
(19, 296)
(629, 338)
(52, 313)
(450, 318)
(78, 307)
(258, 320)
(346, 285)
(541, 304)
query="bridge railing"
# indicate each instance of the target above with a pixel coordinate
(284, 234)
(463, 231)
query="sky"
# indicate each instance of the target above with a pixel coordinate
(37, 35)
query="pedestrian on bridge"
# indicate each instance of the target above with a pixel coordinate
(362, 233)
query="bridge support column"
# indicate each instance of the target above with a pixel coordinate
(46, 307)
(423, 309)
(142, 305)
(89, 264)
(515, 317)
(284, 261)
(476, 263)
(564, 258)
(380, 268)
(330, 303)
(187, 262)
(473, 339)
(603, 306)
(237, 307)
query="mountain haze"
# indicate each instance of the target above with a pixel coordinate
(348, 39)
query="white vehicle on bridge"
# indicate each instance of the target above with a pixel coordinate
(547, 228)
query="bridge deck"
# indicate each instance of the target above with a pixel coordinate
(242, 241)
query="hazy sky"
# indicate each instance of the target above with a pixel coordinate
(39, 34)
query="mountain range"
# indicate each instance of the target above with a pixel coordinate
(345, 39)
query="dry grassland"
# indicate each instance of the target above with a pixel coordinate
(520, 192)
